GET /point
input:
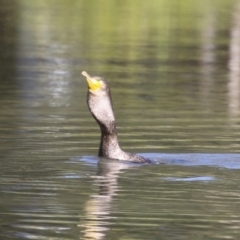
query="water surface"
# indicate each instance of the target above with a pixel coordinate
(173, 67)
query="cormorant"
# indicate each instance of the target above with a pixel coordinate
(100, 105)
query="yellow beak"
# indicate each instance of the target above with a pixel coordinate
(93, 84)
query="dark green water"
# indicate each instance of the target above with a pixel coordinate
(174, 71)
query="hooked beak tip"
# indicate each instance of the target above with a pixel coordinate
(85, 74)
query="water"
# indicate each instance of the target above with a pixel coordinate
(173, 67)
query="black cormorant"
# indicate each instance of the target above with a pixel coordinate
(100, 105)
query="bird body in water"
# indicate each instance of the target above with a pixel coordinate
(100, 105)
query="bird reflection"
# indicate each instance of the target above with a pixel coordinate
(98, 207)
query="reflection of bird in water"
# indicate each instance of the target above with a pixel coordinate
(100, 105)
(97, 219)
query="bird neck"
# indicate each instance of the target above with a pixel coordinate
(109, 145)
